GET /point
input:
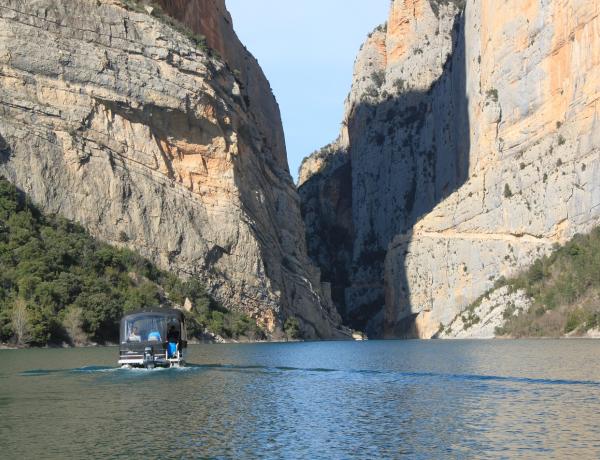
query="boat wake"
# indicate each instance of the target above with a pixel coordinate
(396, 375)
(85, 369)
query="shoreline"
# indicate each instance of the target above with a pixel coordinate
(4, 346)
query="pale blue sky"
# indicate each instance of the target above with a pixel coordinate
(307, 50)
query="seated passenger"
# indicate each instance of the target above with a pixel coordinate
(134, 335)
(154, 336)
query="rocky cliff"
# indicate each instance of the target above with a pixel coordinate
(119, 117)
(470, 145)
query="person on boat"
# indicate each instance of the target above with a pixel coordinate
(134, 336)
(173, 340)
(172, 334)
(154, 336)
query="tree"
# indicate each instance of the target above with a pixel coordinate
(217, 323)
(100, 315)
(20, 321)
(73, 324)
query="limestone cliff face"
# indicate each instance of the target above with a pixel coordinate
(471, 133)
(113, 118)
(211, 19)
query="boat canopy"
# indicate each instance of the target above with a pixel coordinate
(152, 325)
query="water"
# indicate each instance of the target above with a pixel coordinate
(433, 399)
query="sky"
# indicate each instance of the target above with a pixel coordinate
(306, 49)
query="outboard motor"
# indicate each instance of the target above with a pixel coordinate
(148, 358)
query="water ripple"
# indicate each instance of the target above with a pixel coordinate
(190, 367)
(504, 399)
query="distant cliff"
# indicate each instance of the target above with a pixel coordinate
(161, 136)
(470, 145)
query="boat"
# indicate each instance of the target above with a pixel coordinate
(152, 338)
(357, 335)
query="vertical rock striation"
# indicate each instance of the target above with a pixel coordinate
(114, 118)
(471, 134)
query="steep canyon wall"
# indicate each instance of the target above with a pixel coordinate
(470, 145)
(155, 140)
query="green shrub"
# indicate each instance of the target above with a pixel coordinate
(492, 94)
(399, 84)
(509, 311)
(470, 318)
(574, 320)
(378, 78)
(291, 328)
(371, 91)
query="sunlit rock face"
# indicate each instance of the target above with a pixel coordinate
(113, 118)
(210, 19)
(471, 139)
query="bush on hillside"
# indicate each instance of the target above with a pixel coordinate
(565, 289)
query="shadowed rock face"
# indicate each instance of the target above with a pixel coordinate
(114, 119)
(471, 134)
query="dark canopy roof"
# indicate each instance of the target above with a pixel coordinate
(155, 311)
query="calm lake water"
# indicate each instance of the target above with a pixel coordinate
(376, 399)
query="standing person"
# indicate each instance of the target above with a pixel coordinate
(173, 340)
(172, 334)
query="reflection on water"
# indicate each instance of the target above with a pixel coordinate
(434, 399)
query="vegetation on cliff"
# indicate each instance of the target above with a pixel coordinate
(60, 285)
(565, 291)
(154, 9)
